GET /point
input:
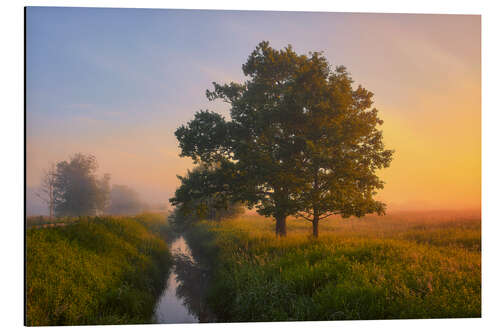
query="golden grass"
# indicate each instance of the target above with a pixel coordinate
(397, 266)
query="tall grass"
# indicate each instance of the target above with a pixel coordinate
(375, 268)
(105, 270)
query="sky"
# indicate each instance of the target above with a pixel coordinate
(116, 83)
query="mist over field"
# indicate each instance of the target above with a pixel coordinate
(34, 206)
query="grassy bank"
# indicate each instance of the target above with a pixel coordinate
(105, 270)
(406, 266)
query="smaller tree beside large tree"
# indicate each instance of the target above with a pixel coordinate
(342, 146)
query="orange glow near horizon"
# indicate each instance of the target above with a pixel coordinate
(437, 160)
(424, 71)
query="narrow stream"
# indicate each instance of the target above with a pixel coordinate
(185, 288)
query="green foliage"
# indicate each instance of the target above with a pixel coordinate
(350, 272)
(203, 195)
(301, 140)
(77, 189)
(95, 271)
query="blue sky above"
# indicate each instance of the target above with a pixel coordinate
(117, 82)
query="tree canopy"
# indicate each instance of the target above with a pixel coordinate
(203, 193)
(301, 140)
(77, 189)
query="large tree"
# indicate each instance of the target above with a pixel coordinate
(256, 144)
(78, 191)
(301, 141)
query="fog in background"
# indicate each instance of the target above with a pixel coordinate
(116, 83)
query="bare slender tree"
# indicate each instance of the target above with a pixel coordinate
(46, 189)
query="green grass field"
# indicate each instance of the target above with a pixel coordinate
(105, 270)
(399, 266)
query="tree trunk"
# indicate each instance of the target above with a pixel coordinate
(315, 223)
(51, 200)
(281, 226)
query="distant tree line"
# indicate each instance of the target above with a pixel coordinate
(73, 188)
(124, 201)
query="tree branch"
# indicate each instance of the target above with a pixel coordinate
(304, 217)
(327, 215)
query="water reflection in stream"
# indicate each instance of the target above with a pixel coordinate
(185, 288)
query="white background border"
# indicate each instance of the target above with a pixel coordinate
(12, 166)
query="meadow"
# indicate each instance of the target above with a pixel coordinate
(95, 270)
(408, 265)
